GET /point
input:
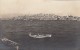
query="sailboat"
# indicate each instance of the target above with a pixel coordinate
(40, 36)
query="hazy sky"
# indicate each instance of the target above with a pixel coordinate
(39, 6)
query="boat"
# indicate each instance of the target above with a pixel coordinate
(40, 35)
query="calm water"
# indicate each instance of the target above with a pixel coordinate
(46, 44)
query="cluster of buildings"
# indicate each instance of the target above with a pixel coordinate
(46, 17)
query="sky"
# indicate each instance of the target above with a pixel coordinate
(58, 7)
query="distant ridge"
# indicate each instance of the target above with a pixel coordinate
(42, 16)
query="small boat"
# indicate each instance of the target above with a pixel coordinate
(40, 36)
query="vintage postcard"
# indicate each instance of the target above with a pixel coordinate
(39, 24)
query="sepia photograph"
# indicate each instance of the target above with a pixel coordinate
(39, 24)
